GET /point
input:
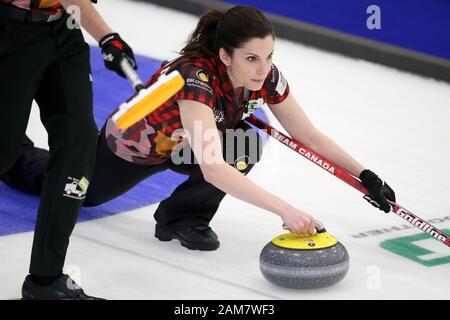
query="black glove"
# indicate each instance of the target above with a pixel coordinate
(379, 191)
(114, 49)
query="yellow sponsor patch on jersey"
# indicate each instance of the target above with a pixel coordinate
(48, 3)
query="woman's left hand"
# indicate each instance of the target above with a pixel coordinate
(379, 191)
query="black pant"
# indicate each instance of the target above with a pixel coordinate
(48, 62)
(193, 202)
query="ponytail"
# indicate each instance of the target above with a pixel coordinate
(203, 42)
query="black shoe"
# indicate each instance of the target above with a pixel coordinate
(199, 237)
(64, 288)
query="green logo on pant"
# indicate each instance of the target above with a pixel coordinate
(76, 188)
(83, 184)
(414, 248)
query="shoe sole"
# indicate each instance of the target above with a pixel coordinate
(162, 234)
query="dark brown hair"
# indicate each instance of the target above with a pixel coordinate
(228, 30)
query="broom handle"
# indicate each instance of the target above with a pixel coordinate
(131, 75)
(347, 178)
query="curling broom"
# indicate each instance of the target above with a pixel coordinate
(147, 99)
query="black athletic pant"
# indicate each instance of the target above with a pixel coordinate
(194, 201)
(50, 63)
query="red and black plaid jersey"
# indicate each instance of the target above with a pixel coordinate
(49, 7)
(206, 81)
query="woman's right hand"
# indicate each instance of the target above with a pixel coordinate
(299, 222)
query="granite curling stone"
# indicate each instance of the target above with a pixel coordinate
(304, 262)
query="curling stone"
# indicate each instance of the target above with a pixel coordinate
(304, 262)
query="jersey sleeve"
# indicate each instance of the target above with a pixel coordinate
(277, 88)
(198, 85)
